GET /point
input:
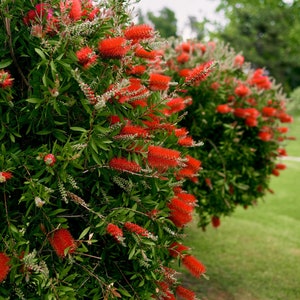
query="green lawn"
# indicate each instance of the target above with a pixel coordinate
(255, 253)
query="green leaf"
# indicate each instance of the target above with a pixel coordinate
(84, 232)
(78, 129)
(5, 63)
(40, 53)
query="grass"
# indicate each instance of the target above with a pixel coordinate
(255, 253)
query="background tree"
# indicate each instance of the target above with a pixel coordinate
(165, 22)
(266, 32)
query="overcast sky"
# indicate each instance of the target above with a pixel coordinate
(183, 9)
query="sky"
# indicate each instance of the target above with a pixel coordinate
(183, 9)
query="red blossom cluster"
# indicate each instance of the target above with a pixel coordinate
(62, 242)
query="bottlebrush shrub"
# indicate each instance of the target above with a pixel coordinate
(91, 171)
(239, 113)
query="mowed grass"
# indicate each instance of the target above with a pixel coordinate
(255, 253)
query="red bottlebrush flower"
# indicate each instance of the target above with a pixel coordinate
(168, 296)
(5, 79)
(133, 130)
(143, 53)
(139, 32)
(260, 80)
(115, 232)
(180, 218)
(284, 117)
(159, 82)
(265, 136)
(86, 56)
(224, 109)
(215, 221)
(75, 12)
(185, 72)
(281, 152)
(4, 266)
(242, 90)
(238, 60)
(176, 249)
(268, 111)
(180, 132)
(252, 112)
(136, 70)
(183, 58)
(215, 86)
(199, 73)
(208, 183)
(240, 112)
(61, 240)
(185, 47)
(282, 129)
(162, 157)
(49, 159)
(175, 105)
(132, 227)
(187, 198)
(113, 47)
(275, 172)
(4, 176)
(195, 267)
(184, 293)
(177, 204)
(193, 163)
(122, 164)
(251, 122)
(186, 141)
(280, 166)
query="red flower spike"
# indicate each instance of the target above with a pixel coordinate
(49, 159)
(142, 53)
(265, 136)
(176, 249)
(4, 176)
(186, 141)
(216, 222)
(183, 58)
(238, 60)
(62, 240)
(136, 70)
(193, 163)
(179, 205)
(133, 130)
(5, 79)
(195, 267)
(224, 109)
(185, 293)
(75, 12)
(261, 81)
(159, 82)
(113, 47)
(86, 56)
(242, 90)
(282, 129)
(280, 166)
(179, 218)
(175, 105)
(122, 164)
(251, 122)
(4, 266)
(187, 198)
(136, 229)
(268, 111)
(199, 73)
(115, 232)
(275, 172)
(162, 157)
(139, 32)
